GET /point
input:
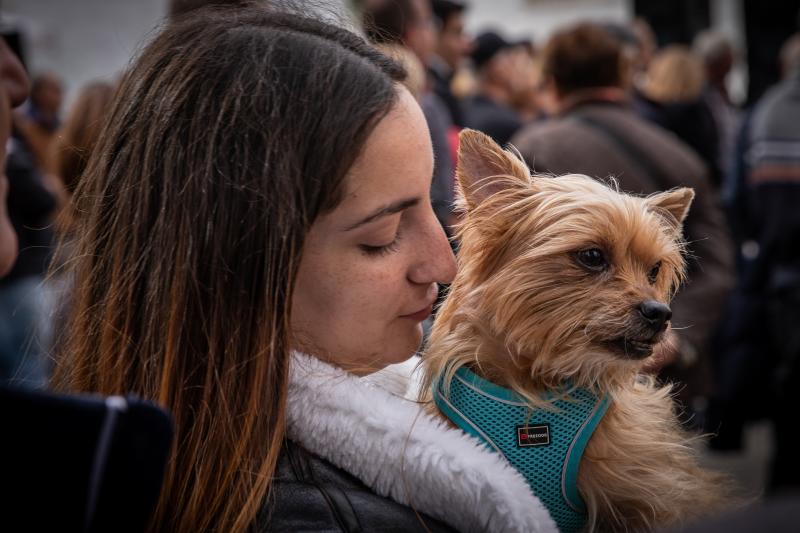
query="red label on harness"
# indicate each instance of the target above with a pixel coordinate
(533, 435)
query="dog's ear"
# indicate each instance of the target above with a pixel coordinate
(672, 205)
(484, 168)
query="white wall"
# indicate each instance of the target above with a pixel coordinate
(83, 40)
(536, 19)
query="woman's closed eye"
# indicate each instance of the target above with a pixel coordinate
(381, 249)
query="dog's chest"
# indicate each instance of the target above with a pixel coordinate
(545, 446)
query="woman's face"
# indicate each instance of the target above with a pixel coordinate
(369, 271)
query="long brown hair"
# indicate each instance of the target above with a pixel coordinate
(674, 75)
(229, 135)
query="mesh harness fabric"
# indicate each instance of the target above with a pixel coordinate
(544, 445)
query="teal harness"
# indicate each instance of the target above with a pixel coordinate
(545, 446)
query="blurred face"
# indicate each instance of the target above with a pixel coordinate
(13, 91)
(370, 268)
(49, 96)
(420, 36)
(500, 68)
(453, 45)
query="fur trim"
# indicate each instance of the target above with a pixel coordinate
(401, 452)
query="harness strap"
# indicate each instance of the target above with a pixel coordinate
(544, 445)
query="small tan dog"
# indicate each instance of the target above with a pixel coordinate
(564, 280)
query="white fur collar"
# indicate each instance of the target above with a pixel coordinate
(401, 452)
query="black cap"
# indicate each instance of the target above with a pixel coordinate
(486, 46)
(444, 9)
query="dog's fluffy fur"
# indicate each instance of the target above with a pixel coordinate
(524, 313)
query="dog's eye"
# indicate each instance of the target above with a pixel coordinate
(594, 259)
(652, 276)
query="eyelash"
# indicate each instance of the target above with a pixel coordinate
(381, 250)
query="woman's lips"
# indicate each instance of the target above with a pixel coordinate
(420, 315)
(431, 296)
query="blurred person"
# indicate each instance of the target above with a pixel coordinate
(489, 110)
(14, 88)
(69, 155)
(410, 23)
(595, 132)
(631, 50)
(80, 132)
(674, 75)
(526, 94)
(647, 46)
(780, 514)
(262, 324)
(452, 48)
(25, 300)
(38, 124)
(718, 55)
(416, 78)
(671, 95)
(759, 368)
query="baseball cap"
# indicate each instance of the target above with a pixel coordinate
(486, 46)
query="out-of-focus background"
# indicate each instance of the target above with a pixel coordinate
(83, 40)
(661, 94)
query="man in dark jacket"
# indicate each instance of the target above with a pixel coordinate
(760, 368)
(489, 110)
(452, 47)
(596, 133)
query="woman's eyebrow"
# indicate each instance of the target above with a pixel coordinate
(386, 210)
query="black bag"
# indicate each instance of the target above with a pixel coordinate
(80, 463)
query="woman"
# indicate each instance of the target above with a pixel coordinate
(261, 186)
(671, 95)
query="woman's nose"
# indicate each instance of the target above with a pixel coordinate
(435, 261)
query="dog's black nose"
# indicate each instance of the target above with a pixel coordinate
(655, 314)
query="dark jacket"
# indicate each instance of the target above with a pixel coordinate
(692, 122)
(310, 494)
(772, 170)
(498, 121)
(442, 184)
(589, 140)
(441, 75)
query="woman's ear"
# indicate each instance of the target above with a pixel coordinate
(484, 168)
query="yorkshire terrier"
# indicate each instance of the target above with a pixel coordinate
(564, 286)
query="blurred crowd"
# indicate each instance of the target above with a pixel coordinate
(600, 99)
(46, 156)
(604, 99)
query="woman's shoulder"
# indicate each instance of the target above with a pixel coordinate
(311, 494)
(370, 429)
